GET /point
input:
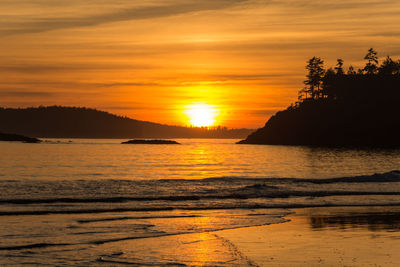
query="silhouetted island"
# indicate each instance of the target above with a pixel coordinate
(338, 108)
(151, 142)
(18, 138)
(75, 122)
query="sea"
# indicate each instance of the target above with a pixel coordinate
(84, 202)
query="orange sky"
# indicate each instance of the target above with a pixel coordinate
(149, 59)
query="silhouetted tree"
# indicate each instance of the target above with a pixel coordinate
(388, 67)
(360, 85)
(357, 108)
(315, 74)
(303, 94)
(351, 71)
(339, 67)
(328, 83)
(371, 66)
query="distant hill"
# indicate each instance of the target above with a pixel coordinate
(18, 138)
(357, 108)
(76, 122)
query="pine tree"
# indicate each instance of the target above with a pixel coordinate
(388, 67)
(315, 74)
(371, 66)
(351, 71)
(339, 67)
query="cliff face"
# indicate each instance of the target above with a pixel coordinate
(324, 123)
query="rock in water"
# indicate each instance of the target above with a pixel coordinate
(152, 142)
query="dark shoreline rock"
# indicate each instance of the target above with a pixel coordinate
(151, 142)
(340, 109)
(18, 138)
(330, 124)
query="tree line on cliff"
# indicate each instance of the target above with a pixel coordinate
(334, 84)
(339, 107)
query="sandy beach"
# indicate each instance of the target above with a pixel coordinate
(350, 236)
(345, 236)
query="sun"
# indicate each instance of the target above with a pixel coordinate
(201, 115)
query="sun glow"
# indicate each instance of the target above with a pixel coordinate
(201, 115)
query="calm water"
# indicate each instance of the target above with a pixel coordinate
(77, 202)
(194, 159)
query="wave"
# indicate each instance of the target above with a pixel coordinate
(132, 262)
(95, 200)
(194, 208)
(257, 193)
(79, 211)
(36, 245)
(64, 197)
(82, 221)
(94, 242)
(391, 176)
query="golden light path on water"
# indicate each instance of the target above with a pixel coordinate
(201, 115)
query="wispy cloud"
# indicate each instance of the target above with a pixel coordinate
(26, 67)
(37, 25)
(23, 93)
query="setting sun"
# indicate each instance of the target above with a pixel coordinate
(201, 115)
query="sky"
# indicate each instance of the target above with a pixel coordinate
(150, 60)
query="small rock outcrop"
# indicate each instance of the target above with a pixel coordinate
(151, 142)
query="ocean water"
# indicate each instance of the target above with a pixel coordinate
(83, 202)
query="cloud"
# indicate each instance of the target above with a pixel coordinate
(394, 33)
(24, 93)
(26, 67)
(261, 112)
(136, 13)
(253, 77)
(335, 5)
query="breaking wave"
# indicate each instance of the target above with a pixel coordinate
(98, 196)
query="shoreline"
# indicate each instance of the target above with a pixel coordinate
(334, 236)
(328, 236)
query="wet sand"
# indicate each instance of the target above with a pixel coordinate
(200, 249)
(324, 237)
(345, 236)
